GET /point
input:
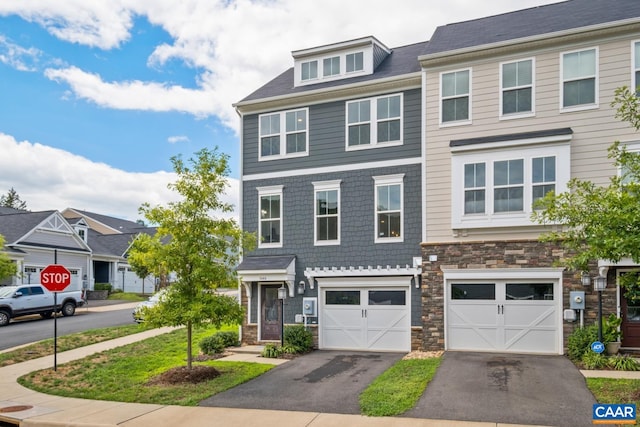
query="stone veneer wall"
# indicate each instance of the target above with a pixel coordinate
(499, 254)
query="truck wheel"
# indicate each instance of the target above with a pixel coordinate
(68, 309)
(46, 314)
(4, 318)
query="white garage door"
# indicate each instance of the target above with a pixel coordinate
(376, 319)
(509, 316)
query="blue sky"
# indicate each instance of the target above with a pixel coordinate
(99, 95)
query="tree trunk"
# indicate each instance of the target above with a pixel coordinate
(189, 345)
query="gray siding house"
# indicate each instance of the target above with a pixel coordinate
(332, 162)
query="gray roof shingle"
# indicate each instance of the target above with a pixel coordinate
(530, 22)
(268, 262)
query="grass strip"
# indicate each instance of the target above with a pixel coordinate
(610, 390)
(122, 374)
(67, 342)
(398, 389)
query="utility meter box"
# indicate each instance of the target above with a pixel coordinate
(576, 300)
(310, 307)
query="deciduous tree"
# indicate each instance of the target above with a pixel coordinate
(201, 249)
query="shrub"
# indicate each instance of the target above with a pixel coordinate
(298, 337)
(212, 344)
(272, 351)
(579, 342)
(623, 363)
(230, 338)
(593, 360)
(103, 287)
(217, 342)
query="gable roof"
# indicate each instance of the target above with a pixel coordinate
(14, 226)
(535, 21)
(401, 61)
(116, 225)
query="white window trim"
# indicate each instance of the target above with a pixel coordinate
(385, 180)
(562, 153)
(283, 136)
(531, 113)
(274, 190)
(467, 121)
(373, 128)
(345, 62)
(325, 186)
(580, 107)
(633, 64)
(313, 79)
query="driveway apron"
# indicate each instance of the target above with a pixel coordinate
(507, 388)
(321, 381)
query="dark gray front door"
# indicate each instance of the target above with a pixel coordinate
(270, 313)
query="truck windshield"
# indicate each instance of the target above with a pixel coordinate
(7, 291)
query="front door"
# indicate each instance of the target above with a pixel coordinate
(630, 326)
(270, 313)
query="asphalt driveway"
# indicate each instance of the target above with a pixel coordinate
(489, 387)
(507, 388)
(321, 381)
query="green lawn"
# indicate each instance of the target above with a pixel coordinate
(609, 390)
(123, 373)
(398, 389)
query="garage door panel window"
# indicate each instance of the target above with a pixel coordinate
(342, 297)
(480, 291)
(529, 291)
(387, 297)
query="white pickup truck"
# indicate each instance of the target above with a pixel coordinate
(23, 300)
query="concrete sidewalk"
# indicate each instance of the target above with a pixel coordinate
(27, 408)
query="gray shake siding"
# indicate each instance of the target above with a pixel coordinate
(327, 127)
(357, 247)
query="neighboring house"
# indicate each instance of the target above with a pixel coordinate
(331, 176)
(110, 239)
(516, 105)
(36, 239)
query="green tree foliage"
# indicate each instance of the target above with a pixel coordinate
(12, 200)
(601, 222)
(7, 267)
(199, 248)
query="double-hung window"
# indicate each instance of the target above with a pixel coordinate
(374, 122)
(309, 70)
(517, 87)
(355, 62)
(474, 188)
(327, 212)
(508, 185)
(543, 176)
(389, 211)
(283, 134)
(455, 94)
(331, 66)
(579, 79)
(270, 216)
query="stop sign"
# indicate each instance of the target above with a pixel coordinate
(55, 277)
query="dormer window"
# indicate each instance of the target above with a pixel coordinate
(355, 62)
(331, 66)
(338, 61)
(309, 70)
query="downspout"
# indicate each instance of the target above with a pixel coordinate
(423, 155)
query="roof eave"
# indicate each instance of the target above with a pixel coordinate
(594, 30)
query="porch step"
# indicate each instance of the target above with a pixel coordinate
(247, 349)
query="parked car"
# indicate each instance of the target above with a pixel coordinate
(138, 310)
(23, 300)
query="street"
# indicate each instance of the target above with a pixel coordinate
(29, 329)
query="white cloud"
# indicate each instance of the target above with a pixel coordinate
(18, 57)
(177, 138)
(49, 178)
(234, 46)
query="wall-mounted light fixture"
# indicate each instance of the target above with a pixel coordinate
(585, 279)
(301, 287)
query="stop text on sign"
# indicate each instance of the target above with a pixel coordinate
(50, 278)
